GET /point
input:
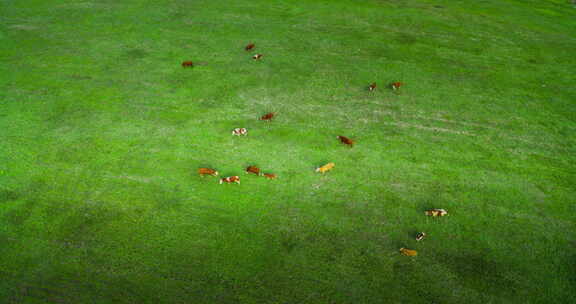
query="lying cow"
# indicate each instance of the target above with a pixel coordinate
(239, 131)
(408, 252)
(207, 171)
(270, 175)
(230, 179)
(436, 212)
(325, 168)
(253, 169)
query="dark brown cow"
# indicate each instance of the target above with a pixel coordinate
(250, 46)
(372, 87)
(187, 64)
(345, 140)
(268, 116)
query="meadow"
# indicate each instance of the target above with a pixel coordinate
(102, 132)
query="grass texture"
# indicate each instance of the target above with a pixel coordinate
(102, 131)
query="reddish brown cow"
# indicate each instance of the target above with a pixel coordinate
(230, 179)
(345, 140)
(396, 85)
(250, 46)
(253, 169)
(268, 116)
(372, 87)
(207, 171)
(270, 175)
(187, 64)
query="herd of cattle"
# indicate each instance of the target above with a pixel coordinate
(322, 169)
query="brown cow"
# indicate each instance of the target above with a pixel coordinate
(207, 171)
(346, 140)
(230, 179)
(270, 175)
(250, 46)
(187, 64)
(325, 168)
(408, 252)
(268, 116)
(396, 85)
(372, 87)
(253, 169)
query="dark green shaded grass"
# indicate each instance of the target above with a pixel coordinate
(102, 132)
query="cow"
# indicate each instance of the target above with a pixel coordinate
(249, 47)
(268, 116)
(230, 179)
(436, 212)
(187, 64)
(240, 131)
(207, 171)
(372, 87)
(257, 56)
(325, 168)
(345, 140)
(420, 236)
(396, 85)
(253, 169)
(408, 252)
(270, 175)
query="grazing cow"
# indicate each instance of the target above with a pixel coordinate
(408, 252)
(187, 64)
(436, 212)
(420, 236)
(250, 46)
(253, 169)
(396, 85)
(239, 131)
(207, 171)
(230, 179)
(345, 140)
(325, 168)
(270, 175)
(257, 56)
(268, 116)
(372, 87)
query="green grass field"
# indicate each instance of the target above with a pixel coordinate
(102, 131)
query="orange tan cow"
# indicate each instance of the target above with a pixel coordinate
(270, 175)
(327, 167)
(408, 252)
(207, 171)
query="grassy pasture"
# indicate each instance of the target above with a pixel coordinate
(102, 130)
